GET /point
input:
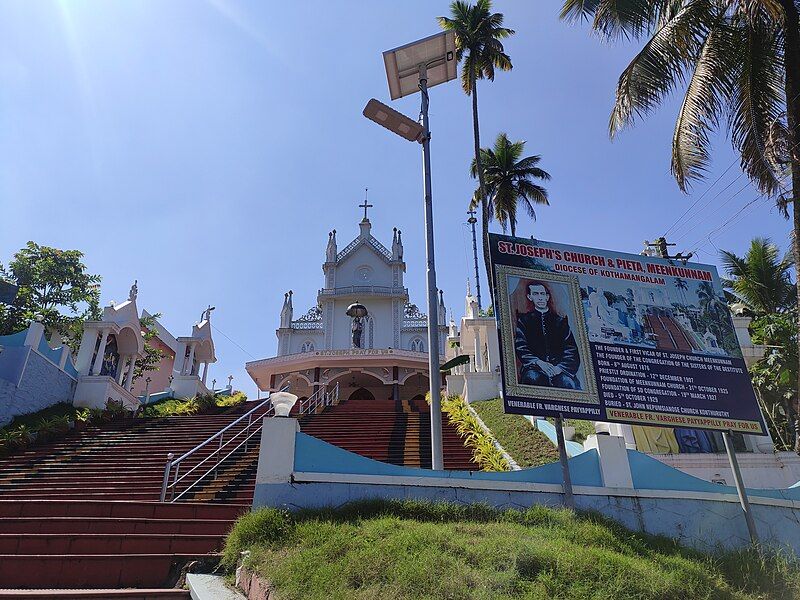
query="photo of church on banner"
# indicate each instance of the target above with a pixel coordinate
(610, 336)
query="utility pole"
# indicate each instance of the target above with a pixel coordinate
(660, 248)
(472, 220)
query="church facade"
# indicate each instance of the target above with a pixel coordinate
(363, 335)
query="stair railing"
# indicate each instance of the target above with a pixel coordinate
(215, 458)
(322, 397)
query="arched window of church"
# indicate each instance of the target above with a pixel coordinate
(417, 346)
(307, 346)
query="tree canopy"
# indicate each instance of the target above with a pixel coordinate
(761, 278)
(54, 287)
(507, 177)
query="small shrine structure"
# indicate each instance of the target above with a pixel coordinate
(193, 354)
(107, 356)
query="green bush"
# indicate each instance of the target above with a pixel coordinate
(263, 526)
(208, 404)
(469, 428)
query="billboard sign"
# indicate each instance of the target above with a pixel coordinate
(610, 336)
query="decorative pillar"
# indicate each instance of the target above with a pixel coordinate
(97, 365)
(129, 378)
(478, 351)
(190, 367)
(205, 372)
(121, 368)
(396, 384)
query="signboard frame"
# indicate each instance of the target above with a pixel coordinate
(720, 375)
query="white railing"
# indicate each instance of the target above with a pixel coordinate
(223, 451)
(372, 290)
(322, 397)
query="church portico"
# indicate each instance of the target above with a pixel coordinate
(385, 373)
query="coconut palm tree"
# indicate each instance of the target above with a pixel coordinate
(478, 32)
(760, 279)
(739, 64)
(507, 181)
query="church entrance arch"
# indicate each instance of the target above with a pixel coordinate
(358, 385)
(362, 394)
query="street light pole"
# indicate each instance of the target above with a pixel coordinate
(472, 220)
(437, 451)
(411, 68)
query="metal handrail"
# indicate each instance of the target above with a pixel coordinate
(176, 463)
(321, 397)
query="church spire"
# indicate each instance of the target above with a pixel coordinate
(331, 251)
(471, 310)
(397, 244)
(442, 309)
(287, 312)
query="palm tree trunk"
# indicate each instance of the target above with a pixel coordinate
(481, 192)
(791, 61)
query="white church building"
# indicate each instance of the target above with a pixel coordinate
(363, 335)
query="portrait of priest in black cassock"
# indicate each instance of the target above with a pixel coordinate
(544, 343)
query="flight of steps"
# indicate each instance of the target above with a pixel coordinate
(81, 515)
(83, 512)
(682, 340)
(664, 339)
(105, 546)
(397, 432)
(117, 461)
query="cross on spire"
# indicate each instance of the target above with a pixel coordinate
(366, 204)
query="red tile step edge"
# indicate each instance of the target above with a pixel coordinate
(91, 571)
(108, 594)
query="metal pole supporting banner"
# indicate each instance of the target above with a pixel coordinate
(569, 500)
(434, 377)
(740, 489)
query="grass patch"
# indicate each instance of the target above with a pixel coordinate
(583, 429)
(526, 445)
(171, 407)
(33, 419)
(404, 550)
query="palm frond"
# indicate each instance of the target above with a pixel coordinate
(709, 90)
(661, 64)
(758, 101)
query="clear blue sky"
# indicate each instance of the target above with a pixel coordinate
(206, 147)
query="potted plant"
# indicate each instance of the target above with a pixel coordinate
(8, 441)
(82, 419)
(25, 436)
(46, 430)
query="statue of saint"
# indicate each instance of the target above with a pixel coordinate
(358, 330)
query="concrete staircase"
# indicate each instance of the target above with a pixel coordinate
(387, 430)
(82, 516)
(105, 545)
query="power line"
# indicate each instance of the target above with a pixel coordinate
(231, 341)
(732, 220)
(716, 210)
(708, 189)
